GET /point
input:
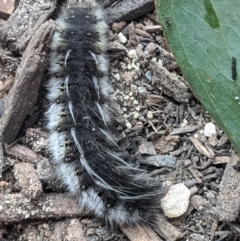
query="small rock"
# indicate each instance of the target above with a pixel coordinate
(130, 67)
(150, 114)
(122, 39)
(117, 77)
(132, 54)
(142, 89)
(137, 108)
(135, 102)
(135, 115)
(147, 148)
(126, 97)
(129, 125)
(176, 201)
(210, 129)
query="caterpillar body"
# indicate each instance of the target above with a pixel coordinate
(81, 120)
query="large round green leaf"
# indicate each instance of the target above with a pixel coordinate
(204, 38)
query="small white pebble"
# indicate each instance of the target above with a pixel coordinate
(142, 89)
(135, 115)
(160, 62)
(210, 129)
(236, 97)
(129, 66)
(125, 116)
(117, 76)
(137, 108)
(122, 39)
(132, 54)
(195, 135)
(176, 201)
(135, 102)
(184, 123)
(124, 109)
(129, 125)
(130, 93)
(150, 114)
(126, 97)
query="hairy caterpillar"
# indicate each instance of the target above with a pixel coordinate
(81, 121)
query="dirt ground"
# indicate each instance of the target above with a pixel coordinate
(162, 123)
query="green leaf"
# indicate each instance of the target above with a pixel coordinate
(204, 38)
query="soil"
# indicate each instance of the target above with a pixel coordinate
(162, 123)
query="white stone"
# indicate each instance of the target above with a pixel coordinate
(210, 129)
(150, 114)
(135, 115)
(129, 125)
(132, 54)
(142, 89)
(122, 39)
(135, 102)
(176, 201)
(137, 108)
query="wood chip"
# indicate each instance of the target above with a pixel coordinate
(25, 22)
(128, 10)
(201, 204)
(140, 233)
(166, 144)
(153, 28)
(228, 204)
(16, 207)
(170, 84)
(167, 230)
(117, 27)
(28, 179)
(23, 153)
(221, 160)
(200, 147)
(147, 148)
(6, 8)
(23, 94)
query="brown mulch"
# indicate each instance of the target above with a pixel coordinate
(163, 123)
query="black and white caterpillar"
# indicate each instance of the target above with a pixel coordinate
(81, 121)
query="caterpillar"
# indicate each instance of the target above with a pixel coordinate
(81, 120)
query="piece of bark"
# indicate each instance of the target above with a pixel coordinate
(147, 148)
(37, 139)
(23, 153)
(200, 147)
(140, 233)
(1, 159)
(201, 204)
(184, 130)
(117, 27)
(170, 84)
(23, 94)
(6, 8)
(28, 179)
(166, 144)
(221, 160)
(167, 230)
(24, 22)
(16, 207)
(228, 200)
(159, 161)
(128, 10)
